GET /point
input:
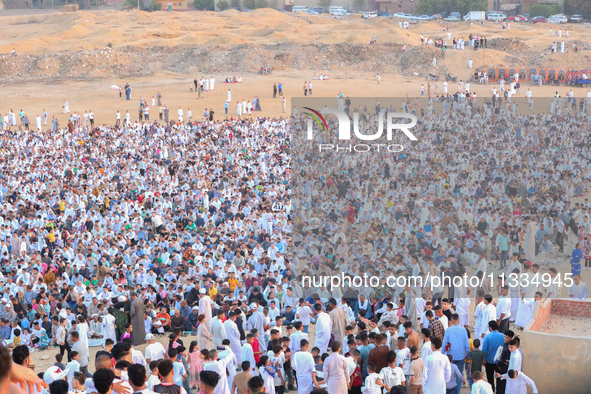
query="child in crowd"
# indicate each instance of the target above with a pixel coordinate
(371, 386)
(153, 380)
(476, 359)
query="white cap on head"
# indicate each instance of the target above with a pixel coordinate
(202, 291)
(149, 337)
(253, 306)
(54, 373)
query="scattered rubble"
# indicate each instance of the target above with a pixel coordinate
(340, 60)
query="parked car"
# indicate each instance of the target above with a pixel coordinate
(451, 19)
(560, 18)
(456, 14)
(517, 18)
(495, 16)
(407, 16)
(246, 10)
(319, 10)
(539, 19)
(436, 16)
(312, 12)
(424, 17)
(384, 14)
(576, 19)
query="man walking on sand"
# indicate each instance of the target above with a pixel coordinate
(66, 107)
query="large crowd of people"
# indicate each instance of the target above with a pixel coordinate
(112, 237)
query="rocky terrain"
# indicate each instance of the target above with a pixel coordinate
(53, 47)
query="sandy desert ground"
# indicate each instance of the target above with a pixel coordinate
(63, 56)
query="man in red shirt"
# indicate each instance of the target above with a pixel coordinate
(163, 318)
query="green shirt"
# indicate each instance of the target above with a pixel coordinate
(476, 357)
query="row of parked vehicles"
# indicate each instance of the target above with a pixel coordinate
(495, 16)
(336, 11)
(558, 18)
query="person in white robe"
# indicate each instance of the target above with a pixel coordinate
(38, 122)
(517, 382)
(220, 366)
(205, 307)
(323, 329)
(478, 310)
(217, 329)
(82, 328)
(211, 82)
(95, 327)
(424, 215)
(336, 371)
(239, 108)
(488, 314)
(514, 294)
(233, 334)
(530, 241)
(462, 303)
(257, 320)
(109, 326)
(436, 370)
(231, 366)
(303, 364)
(247, 354)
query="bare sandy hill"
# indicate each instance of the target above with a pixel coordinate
(73, 46)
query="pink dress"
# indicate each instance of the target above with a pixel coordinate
(194, 368)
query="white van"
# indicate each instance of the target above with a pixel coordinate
(337, 10)
(370, 14)
(557, 19)
(299, 8)
(496, 16)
